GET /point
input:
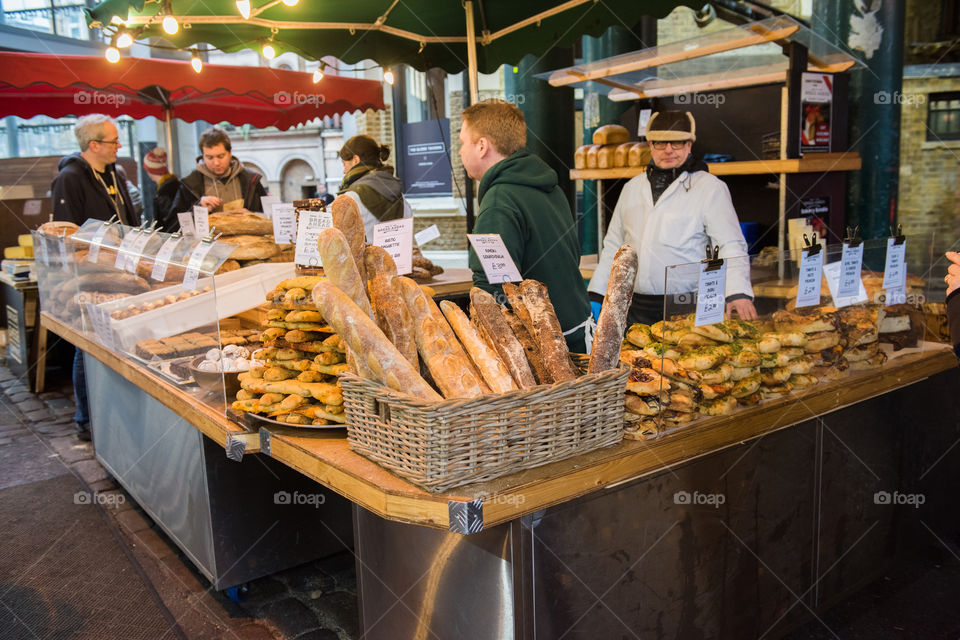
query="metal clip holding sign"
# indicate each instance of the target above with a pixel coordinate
(811, 247)
(898, 237)
(714, 261)
(853, 238)
(97, 239)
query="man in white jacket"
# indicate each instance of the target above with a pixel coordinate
(670, 214)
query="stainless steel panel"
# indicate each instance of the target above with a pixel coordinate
(421, 583)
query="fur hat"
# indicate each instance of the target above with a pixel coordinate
(671, 126)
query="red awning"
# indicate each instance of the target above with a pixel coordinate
(53, 85)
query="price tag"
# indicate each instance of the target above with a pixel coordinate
(186, 223)
(193, 266)
(852, 263)
(811, 270)
(96, 242)
(267, 203)
(711, 294)
(40, 242)
(396, 237)
(494, 258)
(284, 223)
(428, 234)
(201, 221)
(62, 247)
(898, 294)
(102, 325)
(162, 261)
(310, 226)
(832, 273)
(894, 269)
(136, 251)
(123, 253)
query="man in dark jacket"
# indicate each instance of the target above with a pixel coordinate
(220, 182)
(520, 201)
(91, 185)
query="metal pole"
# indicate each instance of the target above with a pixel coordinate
(471, 52)
(173, 160)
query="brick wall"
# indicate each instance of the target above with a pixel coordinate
(379, 126)
(453, 231)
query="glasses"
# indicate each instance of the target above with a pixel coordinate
(116, 142)
(660, 146)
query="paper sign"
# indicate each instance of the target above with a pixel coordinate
(40, 246)
(201, 221)
(898, 294)
(186, 223)
(62, 247)
(808, 285)
(396, 237)
(832, 273)
(162, 260)
(852, 262)
(893, 270)
(428, 234)
(32, 207)
(193, 266)
(136, 251)
(711, 294)
(102, 325)
(123, 253)
(310, 226)
(268, 203)
(95, 243)
(284, 223)
(494, 258)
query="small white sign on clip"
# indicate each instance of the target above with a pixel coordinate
(136, 251)
(162, 260)
(62, 247)
(426, 235)
(95, 243)
(267, 203)
(396, 237)
(832, 273)
(811, 272)
(123, 253)
(852, 262)
(193, 266)
(894, 270)
(711, 294)
(102, 325)
(310, 226)
(494, 258)
(284, 223)
(201, 221)
(186, 223)
(40, 246)
(898, 294)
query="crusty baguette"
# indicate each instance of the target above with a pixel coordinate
(484, 358)
(364, 337)
(449, 365)
(613, 315)
(239, 223)
(252, 247)
(486, 316)
(347, 218)
(393, 316)
(540, 374)
(546, 331)
(377, 261)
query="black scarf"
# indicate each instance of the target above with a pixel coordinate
(660, 179)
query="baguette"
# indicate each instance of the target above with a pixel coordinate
(486, 316)
(239, 223)
(377, 261)
(613, 315)
(393, 317)
(252, 247)
(546, 331)
(346, 218)
(445, 358)
(363, 336)
(484, 358)
(540, 374)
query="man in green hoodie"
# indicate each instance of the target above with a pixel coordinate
(520, 200)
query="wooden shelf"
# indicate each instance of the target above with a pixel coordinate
(811, 163)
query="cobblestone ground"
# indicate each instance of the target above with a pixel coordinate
(315, 601)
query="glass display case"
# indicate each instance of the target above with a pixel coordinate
(844, 310)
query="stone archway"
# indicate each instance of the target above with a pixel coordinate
(296, 175)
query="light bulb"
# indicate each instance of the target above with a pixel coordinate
(291, 3)
(116, 20)
(318, 74)
(196, 62)
(243, 6)
(113, 54)
(124, 40)
(269, 52)
(388, 76)
(170, 25)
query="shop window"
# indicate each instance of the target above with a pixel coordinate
(943, 116)
(59, 17)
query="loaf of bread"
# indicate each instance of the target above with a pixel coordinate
(58, 228)
(116, 282)
(486, 315)
(241, 223)
(340, 268)
(484, 358)
(393, 317)
(613, 315)
(592, 154)
(605, 156)
(639, 155)
(347, 218)
(377, 261)
(610, 134)
(520, 322)
(546, 331)
(622, 154)
(445, 358)
(580, 157)
(364, 337)
(252, 247)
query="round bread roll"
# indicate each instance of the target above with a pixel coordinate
(58, 228)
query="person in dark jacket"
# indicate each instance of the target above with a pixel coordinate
(156, 167)
(953, 299)
(91, 185)
(376, 191)
(220, 182)
(521, 201)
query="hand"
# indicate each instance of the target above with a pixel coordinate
(953, 273)
(210, 202)
(744, 308)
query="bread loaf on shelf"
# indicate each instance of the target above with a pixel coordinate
(605, 156)
(622, 154)
(486, 315)
(639, 155)
(347, 218)
(58, 228)
(484, 358)
(252, 247)
(592, 153)
(610, 134)
(613, 315)
(364, 337)
(393, 316)
(241, 223)
(580, 157)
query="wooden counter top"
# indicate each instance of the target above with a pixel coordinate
(326, 457)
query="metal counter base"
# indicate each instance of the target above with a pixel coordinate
(236, 521)
(747, 542)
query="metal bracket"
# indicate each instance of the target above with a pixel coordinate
(235, 448)
(466, 517)
(264, 441)
(713, 261)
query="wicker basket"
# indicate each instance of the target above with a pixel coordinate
(439, 445)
